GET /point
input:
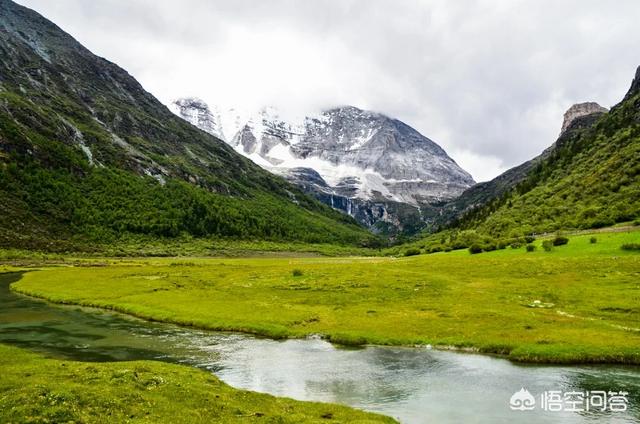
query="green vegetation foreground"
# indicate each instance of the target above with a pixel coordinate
(576, 303)
(37, 389)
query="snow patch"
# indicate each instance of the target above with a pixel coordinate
(87, 152)
(78, 138)
(358, 142)
(157, 176)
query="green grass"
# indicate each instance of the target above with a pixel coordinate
(578, 303)
(37, 389)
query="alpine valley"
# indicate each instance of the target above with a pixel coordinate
(89, 158)
(188, 263)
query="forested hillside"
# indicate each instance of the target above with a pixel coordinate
(591, 179)
(88, 156)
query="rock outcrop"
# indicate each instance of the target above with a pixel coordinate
(578, 110)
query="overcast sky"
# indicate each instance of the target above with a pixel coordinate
(487, 80)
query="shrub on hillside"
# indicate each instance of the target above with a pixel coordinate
(412, 252)
(516, 245)
(547, 245)
(476, 248)
(560, 241)
(630, 246)
(530, 248)
(458, 245)
(529, 239)
(488, 247)
(601, 222)
(297, 272)
(593, 240)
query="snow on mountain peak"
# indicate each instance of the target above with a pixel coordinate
(364, 153)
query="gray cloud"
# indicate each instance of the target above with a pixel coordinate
(487, 80)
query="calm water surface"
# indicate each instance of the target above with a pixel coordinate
(413, 385)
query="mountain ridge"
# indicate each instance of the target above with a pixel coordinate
(485, 192)
(87, 154)
(364, 161)
(589, 178)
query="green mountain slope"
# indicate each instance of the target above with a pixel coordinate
(485, 192)
(87, 155)
(589, 178)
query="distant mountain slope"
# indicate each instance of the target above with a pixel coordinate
(375, 168)
(589, 178)
(86, 152)
(577, 118)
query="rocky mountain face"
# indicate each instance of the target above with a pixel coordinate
(578, 110)
(197, 113)
(375, 168)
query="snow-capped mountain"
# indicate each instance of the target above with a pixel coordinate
(348, 157)
(198, 113)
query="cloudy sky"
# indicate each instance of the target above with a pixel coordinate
(487, 80)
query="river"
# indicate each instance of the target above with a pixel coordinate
(415, 385)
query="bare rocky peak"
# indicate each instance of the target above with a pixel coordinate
(578, 110)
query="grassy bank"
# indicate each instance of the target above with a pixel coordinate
(188, 246)
(576, 303)
(38, 389)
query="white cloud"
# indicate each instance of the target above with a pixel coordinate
(482, 167)
(488, 80)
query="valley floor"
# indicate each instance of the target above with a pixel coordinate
(577, 303)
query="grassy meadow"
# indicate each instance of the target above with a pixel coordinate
(38, 389)
(136, 247)
(577, 303)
